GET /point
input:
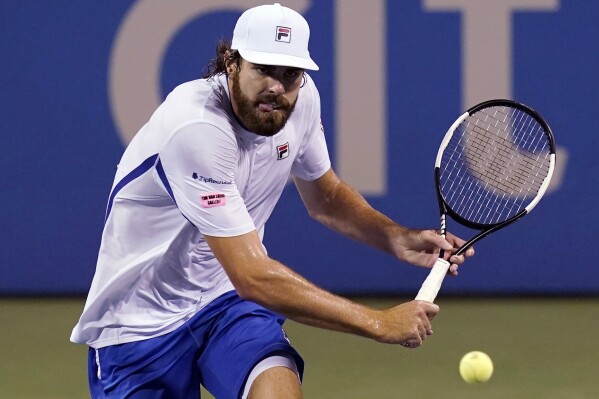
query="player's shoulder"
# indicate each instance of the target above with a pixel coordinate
(310, 86)
(309, 96)
(201, 101)
(194, 99)
(307, 106)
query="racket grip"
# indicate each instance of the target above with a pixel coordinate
(432, 284)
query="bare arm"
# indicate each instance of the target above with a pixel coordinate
(265, 281)
(340, 207)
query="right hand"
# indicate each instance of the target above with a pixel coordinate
(407, 324)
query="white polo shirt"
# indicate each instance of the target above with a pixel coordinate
(191, 170)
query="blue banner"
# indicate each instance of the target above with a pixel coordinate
(79, 78)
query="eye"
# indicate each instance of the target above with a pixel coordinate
(292, 73)
(263, 70)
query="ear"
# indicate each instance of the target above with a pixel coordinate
(230, 65)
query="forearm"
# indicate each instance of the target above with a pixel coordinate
(338, 206)
(283, 291)
(347, 212)
(260, 279)
(280, 289)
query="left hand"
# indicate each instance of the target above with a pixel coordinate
(422, 247)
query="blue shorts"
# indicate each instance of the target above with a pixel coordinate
(217, 348)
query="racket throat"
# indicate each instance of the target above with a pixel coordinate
(488, 231)
(443, 232)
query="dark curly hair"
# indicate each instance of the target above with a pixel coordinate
(219, 63)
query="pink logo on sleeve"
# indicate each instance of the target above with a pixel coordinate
(212, 200)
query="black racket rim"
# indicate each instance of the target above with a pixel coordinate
(487, 228)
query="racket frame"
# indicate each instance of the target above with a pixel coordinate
(431, 286)
(486, 229)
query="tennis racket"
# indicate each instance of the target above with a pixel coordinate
(494, 165)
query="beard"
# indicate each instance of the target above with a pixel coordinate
(262, 123)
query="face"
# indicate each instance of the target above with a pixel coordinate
(263, 96)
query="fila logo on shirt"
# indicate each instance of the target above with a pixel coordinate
(283, 34)
(282, 151)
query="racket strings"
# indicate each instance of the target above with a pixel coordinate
(495, 164)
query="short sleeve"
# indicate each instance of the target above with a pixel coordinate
(199, 164)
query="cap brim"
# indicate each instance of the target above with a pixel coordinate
(260, 57)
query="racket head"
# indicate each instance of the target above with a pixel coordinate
(494, 164)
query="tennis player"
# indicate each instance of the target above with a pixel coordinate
(184, 292)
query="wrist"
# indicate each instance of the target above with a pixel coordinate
(374, 326)
(395, 234)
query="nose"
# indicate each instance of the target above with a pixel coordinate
(275, 86)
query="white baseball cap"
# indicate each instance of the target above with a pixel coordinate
(273, 35)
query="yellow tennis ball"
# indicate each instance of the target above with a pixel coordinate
(476, 367)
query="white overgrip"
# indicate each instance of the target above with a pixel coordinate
(430, 288)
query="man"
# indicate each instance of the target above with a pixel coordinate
(184, 292)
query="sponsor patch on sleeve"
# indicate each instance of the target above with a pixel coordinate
(213, 199)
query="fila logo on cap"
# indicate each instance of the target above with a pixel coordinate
(283, 34)
(253, 37)
(282, 151)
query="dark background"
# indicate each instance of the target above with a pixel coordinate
(61, 144)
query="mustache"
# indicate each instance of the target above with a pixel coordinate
(281, 102)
